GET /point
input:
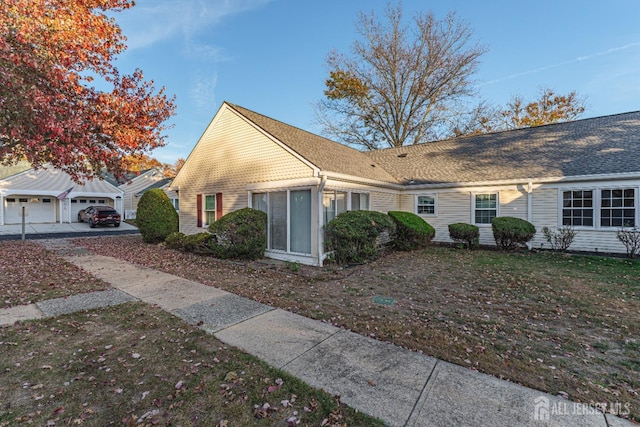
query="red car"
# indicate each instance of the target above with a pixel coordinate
(99, 215)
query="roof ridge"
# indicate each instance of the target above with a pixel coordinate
(239, 107)
(502, 132)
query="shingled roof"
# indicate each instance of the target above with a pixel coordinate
(597, 146)
(326, 155)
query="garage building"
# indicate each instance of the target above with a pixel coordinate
(50, 196)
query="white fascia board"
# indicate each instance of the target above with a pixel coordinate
(288, 183)
(336, 176)
(10, 191)
(525, 181)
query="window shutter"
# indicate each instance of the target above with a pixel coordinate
(199, 210)
(218, 206)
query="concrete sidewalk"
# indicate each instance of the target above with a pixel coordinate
(401, 387)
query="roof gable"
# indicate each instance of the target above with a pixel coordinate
(52, 181)
(326, 155)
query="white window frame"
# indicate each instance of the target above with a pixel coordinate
(597, 205)
(348, 196)
(473, 206)
(350, 201)
(595, 202)
(205, 217)
(417, 205)
(600, 207)
(268, 206)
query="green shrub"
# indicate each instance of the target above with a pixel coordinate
(156, 218)
(198, 243)
(412, 232)
(511, 233)
(175, 240)
(241, 234)
(466, 234)
(355, 236)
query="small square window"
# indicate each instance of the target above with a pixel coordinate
(102, 202)
(46, 200)
(74, 201)
(11, 200)
(93, 202)
(23, 200)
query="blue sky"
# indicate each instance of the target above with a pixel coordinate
(269, 55)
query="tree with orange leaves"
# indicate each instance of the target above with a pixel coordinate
(50, 114)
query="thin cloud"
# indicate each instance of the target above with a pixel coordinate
(153, 21)
(561, 64)
(202, 92)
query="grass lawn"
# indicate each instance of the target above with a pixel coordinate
(138, 365)
(133, 364)
(567, 325)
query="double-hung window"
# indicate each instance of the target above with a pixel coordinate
(426, 205)
(486, 208)
(209, 209)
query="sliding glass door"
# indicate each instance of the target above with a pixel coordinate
(289, 219)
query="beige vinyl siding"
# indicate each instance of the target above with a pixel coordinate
(137, 184)
(513, 203)
(384, 201)
(228, 157)
(408, 203)
(451, 207)
(597, 241)
(544, 213)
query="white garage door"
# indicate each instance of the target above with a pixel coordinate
(38, 209)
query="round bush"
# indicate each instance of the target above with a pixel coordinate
(156, 218)
(412, 232)
(466, 234)
(355, 236)
(240, 234)
(510, 232)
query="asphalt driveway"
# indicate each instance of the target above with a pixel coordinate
(57, 230)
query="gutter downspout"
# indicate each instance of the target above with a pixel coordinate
(323, 181)
(529, 208)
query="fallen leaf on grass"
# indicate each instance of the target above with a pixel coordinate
(264, 411)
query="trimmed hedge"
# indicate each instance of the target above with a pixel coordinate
(510, 232)
(240, 234)
(155, 217)
(466, 234)
(412, 232)
(354, 236)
